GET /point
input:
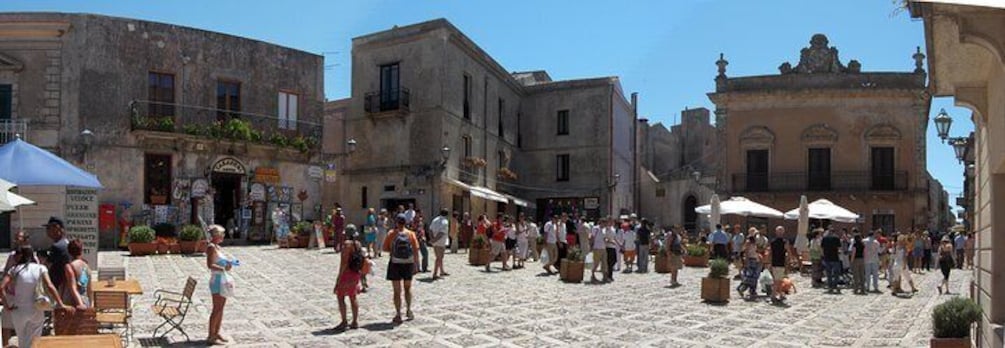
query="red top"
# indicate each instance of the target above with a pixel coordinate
(498, 233)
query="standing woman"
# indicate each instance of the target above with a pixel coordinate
(18, 296)
(420, 232)
(383, 224)
(918, 252)
(945, 263)
(78, 275)
(676, 247)
(522, 241)
(370, 230)
(20, 239)
(218, 264)
(347, 282)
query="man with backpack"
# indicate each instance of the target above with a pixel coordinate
(403, 246)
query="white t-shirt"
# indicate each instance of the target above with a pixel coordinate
(552, 231)
(26, 278)
(611, 237)
(532, 230)
(629, 239)
(510, 231)
(598, 238)
(439, 225)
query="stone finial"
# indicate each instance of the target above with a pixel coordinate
(785, 68)
(854, 67)
(722, 63)
(919, 60)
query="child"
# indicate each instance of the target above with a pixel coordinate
(787, 287)
(629, 247)
(347, 283)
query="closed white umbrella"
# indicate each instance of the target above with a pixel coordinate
(823, 209)
(742, 207)
(802, 242)
(10, 201)
(716, 214)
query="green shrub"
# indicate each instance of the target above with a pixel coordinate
(575, 255)
(696, 250)
(239, 129)
(718, 268)
(300, 144)
(195, 129)
(953, 318)
(303, 228)
(278, 139)
(191, 233)
(141, 234)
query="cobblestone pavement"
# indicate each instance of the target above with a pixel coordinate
(284, 298)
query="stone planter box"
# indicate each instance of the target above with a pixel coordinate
(715, 290)
(163, 248)
(141, 249)
(663, 264)
(696, 261)
(479, 257)
(950, 342)
(192, 247)
(571, 272)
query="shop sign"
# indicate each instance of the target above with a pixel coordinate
(315, 172)
(257, 193)
(591, 203)
(268, 175)
(181, 189)
(81, 213)
(282, 194)
(229, 165)
(199, 188)
(331, 175)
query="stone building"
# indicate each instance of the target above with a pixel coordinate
(185, 122)
(829, 130)
(678, 167)
(966, 46)
(440, 123)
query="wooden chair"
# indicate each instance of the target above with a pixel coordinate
(76, 323)
(107, 273)
(113, 310)
(173, 307)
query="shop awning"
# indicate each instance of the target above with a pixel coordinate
(489, 194)
(520, 202)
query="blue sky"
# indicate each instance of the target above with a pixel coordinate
(665, 50)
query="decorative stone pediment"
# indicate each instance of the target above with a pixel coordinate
(9, 63)
(819, 133)
(882, 133)
(819, 58)
(757, 136)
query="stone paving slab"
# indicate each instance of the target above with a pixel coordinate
(284, 299)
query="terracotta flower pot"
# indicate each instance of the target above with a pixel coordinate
(663, 264)
(571, 272)
(715, 290)
(949, 342)
(479, 257)
(192, 247)
(141, 249)
(696, 261)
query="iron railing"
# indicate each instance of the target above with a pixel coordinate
(386, 100)
(11, 129)
(806, 181)
(224, 124)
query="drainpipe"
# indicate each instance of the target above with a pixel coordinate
(635, 152)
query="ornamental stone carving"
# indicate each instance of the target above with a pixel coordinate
(819, 134)
(819, 58)
(882, 133)
(757, 136)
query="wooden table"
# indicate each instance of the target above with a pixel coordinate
(128, 286)
(108, 340)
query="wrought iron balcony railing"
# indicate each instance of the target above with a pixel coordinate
(224, 124)
(386, 100)
(11, 129)
(806, 181)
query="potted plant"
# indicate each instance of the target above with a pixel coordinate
(663, 260)
(141, 241)
(192, 239)
(303, 230)
(951, 322)
(696, 255)
(715, 287)
(572, 267)
(478, 255)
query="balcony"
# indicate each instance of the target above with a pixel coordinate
(214, 123)
(392, 101)
(804, 182)
(11, 129)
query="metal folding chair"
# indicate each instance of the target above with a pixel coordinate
(173, 307)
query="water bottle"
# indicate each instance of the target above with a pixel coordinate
(236, 262)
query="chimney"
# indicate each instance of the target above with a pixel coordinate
(635, 103)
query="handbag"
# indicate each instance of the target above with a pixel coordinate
(42, 300)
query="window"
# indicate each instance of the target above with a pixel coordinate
(157, 179)
(882, 168)
(390, 88)
(6, 102)
(389, 188)
(563, 122)
(757, 170)
(288, 110)
(562, 170)
(228, 98)
(160, 92)
(499, 125)
(884, 221)
(818, 175)
(502, 159)
(467, 97)
(467, 146)
(362, 198)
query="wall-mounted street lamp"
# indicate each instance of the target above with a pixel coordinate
(960, 147)
(942, 124)
(86, 139)
(444, 156)
(350, 145)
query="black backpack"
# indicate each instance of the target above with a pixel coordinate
(401, 248)
(356, 258)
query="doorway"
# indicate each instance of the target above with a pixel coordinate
(226, 200)
(392, 205)
(690, 216)
(5, 230)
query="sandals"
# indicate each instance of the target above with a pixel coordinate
(396, 320)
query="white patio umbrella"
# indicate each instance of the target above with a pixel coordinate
(743, 207)
(10, 201)
(716, 211)
(825, 210)
(802, 242)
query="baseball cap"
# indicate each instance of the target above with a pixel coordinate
(401, 218)
(53, 221)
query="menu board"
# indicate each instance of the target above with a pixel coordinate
(81, 220)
